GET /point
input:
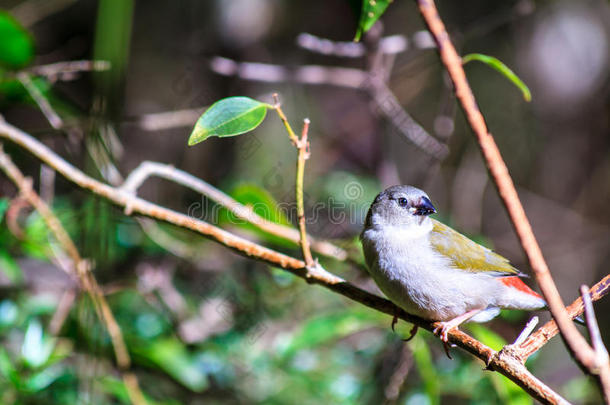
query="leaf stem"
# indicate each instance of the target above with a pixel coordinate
(278, 108)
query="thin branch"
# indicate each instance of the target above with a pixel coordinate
(169, 119)
(69, 69)
(81, 268)
(44, 105)
(308, 74)
(303, 154)
(147, 169)
(576, 343)
(527, 330)
(501, 362)
(602, 365)
(392, 44)
(549, 329)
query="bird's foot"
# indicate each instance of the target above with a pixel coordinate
(442, 330)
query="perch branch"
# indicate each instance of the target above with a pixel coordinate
(575, 342)
(501, 362)
(81, 269)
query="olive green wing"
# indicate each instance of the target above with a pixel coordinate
(466, 254)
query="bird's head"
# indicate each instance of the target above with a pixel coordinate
(402, 206)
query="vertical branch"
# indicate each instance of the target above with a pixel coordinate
(577, 345)
(602, 359)
(303, 154)
(302, 146)
(81, 270)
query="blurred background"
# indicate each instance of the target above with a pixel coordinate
(204, 325)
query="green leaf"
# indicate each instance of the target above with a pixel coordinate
(229, 117)
(502, 68)
(171, 356)
(42, 379)
(16, 46)
(370, 13)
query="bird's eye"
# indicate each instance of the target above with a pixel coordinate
(403, 202)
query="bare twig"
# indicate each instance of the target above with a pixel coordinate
(503, 363)
(169, 119)
(576, 343)
(527, 330)
(68, 70)
(602, 365)
(549, 329)
(44, 105)
(62, 311)
(390, 107)
(303, 154)
(81, 269)
(146, 169)
(399, 376)
(392, 44)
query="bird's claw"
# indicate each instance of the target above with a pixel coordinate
(442, 331)
(412, 333)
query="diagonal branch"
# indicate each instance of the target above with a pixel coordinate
(577, 345)
(501, 362)
(82, 270)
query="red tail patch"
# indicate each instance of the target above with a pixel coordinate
(516, 283)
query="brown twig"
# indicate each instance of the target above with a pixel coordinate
(44, 105)
(501, 362)
(576, 343)
(602, 359)
(81, 269)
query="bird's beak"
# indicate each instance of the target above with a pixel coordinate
(424, 207)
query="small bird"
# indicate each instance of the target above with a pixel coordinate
(432, 271)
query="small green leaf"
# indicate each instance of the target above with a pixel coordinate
(171, 356)
(16, 47)
(370, 13)
(502, 68)
(229, 117)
